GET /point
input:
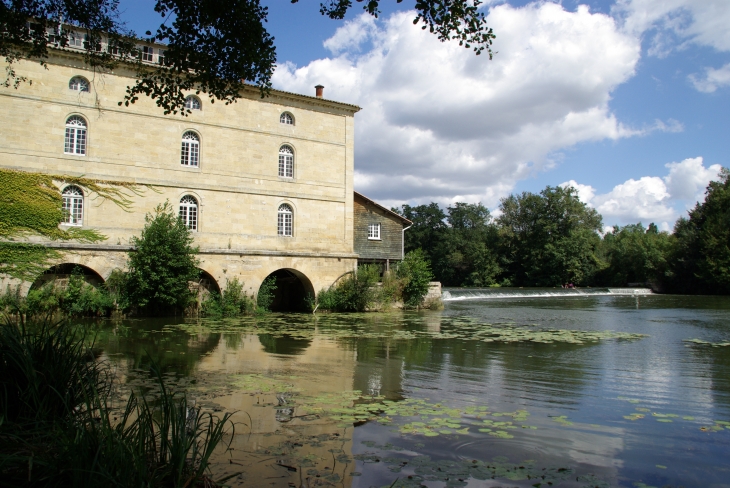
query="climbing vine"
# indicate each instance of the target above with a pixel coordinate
(31, 205)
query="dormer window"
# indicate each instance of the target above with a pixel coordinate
(148, 53)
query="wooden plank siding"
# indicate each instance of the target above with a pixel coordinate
(390, 244)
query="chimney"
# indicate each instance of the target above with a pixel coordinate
(320, 90)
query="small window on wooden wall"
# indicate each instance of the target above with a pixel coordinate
(374, 232)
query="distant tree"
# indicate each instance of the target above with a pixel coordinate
(212, 46)
(162, 264)
(466, 256)
(549, 238)
(636, 255)
(428, 229)
(701, 260)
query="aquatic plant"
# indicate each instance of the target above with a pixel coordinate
(59, 427)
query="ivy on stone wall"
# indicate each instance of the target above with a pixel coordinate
(31, 205)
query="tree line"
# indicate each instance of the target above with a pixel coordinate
(552, 239)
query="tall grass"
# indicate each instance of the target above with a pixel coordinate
(58, 426)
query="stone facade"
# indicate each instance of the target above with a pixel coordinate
(236, 184)
(384, 242)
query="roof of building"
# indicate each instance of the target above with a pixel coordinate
(397, 216)
(284, 94)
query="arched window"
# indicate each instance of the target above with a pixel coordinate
(192, 102)
(286, 118)
(189, 212)
(75, 136)
(190, 154)
(78, 84)
(73, 205)
(285, 220)
(286, 162)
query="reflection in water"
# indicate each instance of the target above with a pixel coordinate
(359, 400)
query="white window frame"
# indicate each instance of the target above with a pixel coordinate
(190, 150)
(189, 212)
(148, 54)
(286, 118)
(285, 221)
(374, 232)
(286, 161)
(193, 103)
(75, 39)
(76, 136)
(79, 84)
(73, 206)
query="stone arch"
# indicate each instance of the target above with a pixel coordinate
(292, 289)
(204, 286)
(60, 273)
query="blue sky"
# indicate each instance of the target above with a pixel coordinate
(626, 100)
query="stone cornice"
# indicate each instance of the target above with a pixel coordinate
(77, 246)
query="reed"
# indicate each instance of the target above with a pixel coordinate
(58, 426)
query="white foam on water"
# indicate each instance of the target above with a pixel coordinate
(498, 293)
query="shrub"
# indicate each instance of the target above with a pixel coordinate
(415, 273)
(353, 293)
(162, 264)
(232, 302)
(265, 297)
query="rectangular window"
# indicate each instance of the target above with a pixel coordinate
(374, 231)
(75, 40)
(148, 53)
(161, 57)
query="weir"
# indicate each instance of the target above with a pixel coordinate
(455, 294)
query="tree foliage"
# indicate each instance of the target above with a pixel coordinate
(701, 261)
(458, 20)
(415, 271)
(549, 238)
(634, 254)
(212, 46)
(162, 264)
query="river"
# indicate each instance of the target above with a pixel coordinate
(503, 388)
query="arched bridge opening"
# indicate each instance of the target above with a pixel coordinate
(61, 273)
(293, 290)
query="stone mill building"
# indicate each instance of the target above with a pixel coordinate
(266, 185)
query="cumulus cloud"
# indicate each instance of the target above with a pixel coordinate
(440, 124)
(651, 198)
(672, 24)
(712, 79)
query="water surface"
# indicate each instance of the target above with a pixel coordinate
(506, 388)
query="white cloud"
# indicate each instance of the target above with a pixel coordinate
(651, 198)
(712, 80)
(585, 192)
(671, 24)
(439, 122)
(352, 35)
